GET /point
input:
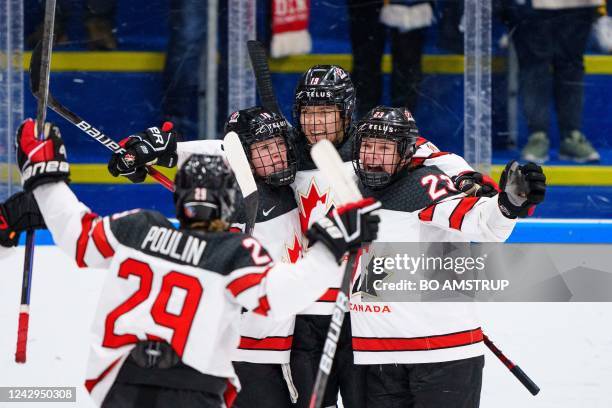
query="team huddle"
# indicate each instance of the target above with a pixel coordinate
(208, 314)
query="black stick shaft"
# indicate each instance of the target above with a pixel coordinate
(45, 66)
(341, 308)
(263, 78)
(42, 92)
(514, 369)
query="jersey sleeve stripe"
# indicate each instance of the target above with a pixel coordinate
(264, 306)
(437, 342)
(436, 154)
(458, 214)
(239, 285)
(330, 295)
(91, 384)
(274, 343)
(420, 141)
(101, 242)
(83, 240)
(428, 213)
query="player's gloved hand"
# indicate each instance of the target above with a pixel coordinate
(41, 161)
(153, 146)
(347, 227)
(17, 214)
(475, 184)
(522, 188)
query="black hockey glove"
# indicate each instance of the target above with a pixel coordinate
(522, 188)
(17, 214)
(347, 227)
(153, 146)
(41, 161)
(475, 184)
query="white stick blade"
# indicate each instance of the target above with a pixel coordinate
(239, 163)
(327, 159)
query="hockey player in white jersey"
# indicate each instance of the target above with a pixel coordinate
(323, 109)
(166, 324)
(262, 357)
(427, 355)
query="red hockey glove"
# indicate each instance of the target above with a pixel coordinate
(523, 187)
(41, 161)
(347, 227)
(153, 146)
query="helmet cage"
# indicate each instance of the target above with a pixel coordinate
(255, 125)
(385, 164)
(325, 85)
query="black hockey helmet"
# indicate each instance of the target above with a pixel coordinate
(325, 85)
(258, 124)
(205, 190)
(383, 161)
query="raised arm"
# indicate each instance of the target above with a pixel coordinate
(45, 171)
(283, 289)
(487, 219)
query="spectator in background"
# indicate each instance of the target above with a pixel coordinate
(406, 22)
(181, 72)
(553, 34)
(99, 20)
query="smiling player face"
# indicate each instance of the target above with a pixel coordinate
(322, 122)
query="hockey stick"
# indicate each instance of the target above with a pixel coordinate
(514, 369)
(328, 161)
(73, 118)
(259, 61)
(244, 176)
(42, 90)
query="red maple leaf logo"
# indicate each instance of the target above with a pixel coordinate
(295, 252)
(308, 202)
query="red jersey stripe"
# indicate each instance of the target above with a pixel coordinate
(456, 218)
(99, 238)
(330, 295)
(239, 285)
(418, 343)
(90, 384)
(83, 239)
(427, 214)
(436, 154)
(273, 343)
(230, 394)
(264, 306)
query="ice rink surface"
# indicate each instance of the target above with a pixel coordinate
(565, 347)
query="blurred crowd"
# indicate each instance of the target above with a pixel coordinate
(549, 38)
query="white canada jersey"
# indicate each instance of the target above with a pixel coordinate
(315, 198)
(277, 227)
(427, 154)
(263, 340)
(180, 286)
(412, 332)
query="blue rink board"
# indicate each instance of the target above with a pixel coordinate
(546, 231)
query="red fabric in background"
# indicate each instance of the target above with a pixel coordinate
(290, 15)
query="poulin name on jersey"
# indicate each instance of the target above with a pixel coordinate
(167, 242)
